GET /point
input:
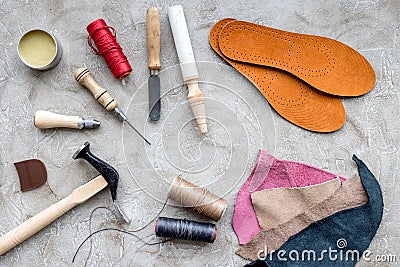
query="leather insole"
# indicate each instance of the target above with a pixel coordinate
(293, 99)
(324, 63)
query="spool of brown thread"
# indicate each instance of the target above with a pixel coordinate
(197, 199)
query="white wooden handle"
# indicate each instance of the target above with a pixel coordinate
(182, 43)
(46, 119)
(36, 223)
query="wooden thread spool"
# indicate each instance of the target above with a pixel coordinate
(197, 199)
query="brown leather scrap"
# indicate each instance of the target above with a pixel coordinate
(326, 64)
(293, 99)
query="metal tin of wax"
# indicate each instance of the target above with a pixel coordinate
(39, 49)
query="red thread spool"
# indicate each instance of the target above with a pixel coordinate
(104, 37)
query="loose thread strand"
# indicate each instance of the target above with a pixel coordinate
(127, 231)
(117, 230)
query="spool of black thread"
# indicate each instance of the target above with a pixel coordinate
(186, 229)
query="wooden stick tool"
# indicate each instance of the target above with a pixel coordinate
(188, 64)
(84, 77)
(46, 120)
(36, 223)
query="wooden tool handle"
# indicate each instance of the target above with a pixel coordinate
(196, 101)
(153, 37)
(33, 225)
(84, 77)
(182, 43)
(46, 119)
(36, 223)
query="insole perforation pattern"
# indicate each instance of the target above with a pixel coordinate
(326, 64)
(292, 98)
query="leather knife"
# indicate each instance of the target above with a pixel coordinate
(153, 50)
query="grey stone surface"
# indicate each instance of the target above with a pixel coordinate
(240, 123)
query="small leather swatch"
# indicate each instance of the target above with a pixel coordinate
(324, 63)
(290, 97)
(279, 205)
(32, 174)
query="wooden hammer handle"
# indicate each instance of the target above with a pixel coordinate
(153, 37)
(84, 77)
(36, 223)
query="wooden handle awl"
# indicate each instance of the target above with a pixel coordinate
(36, 223)
(46, 119)
(84, 77)
(153, 38)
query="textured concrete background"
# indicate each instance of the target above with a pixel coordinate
(240, 123)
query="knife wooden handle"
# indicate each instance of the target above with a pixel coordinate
(36, 223)
(153, 37)
(84, 77)
(46, 119)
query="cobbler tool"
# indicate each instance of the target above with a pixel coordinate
(46, 119)
(106, 170)
(188, 64)
(84, 77)
(36, 223)
(153, 51)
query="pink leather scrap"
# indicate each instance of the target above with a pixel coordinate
(270, 172)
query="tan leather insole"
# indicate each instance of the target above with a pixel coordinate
(324, 63)
(292, 98)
